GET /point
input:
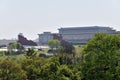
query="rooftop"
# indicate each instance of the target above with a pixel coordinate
(86, 27)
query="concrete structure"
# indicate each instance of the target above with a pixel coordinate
(45, 37)
(81, 35)
(75, 35)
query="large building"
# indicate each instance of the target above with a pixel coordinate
(75, 35)
(81, 35)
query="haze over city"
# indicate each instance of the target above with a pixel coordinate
(32, 17)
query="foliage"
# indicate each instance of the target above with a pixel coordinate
(30, 53)
(66, 59)
(55, 71)
(32, 66)
(9, 70)
(15, 47)
(101, 58)
(54, 43)
(66, 48)
(2, 53)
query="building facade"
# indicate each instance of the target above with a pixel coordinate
(75, 35)
(45, 37)
(81, 35)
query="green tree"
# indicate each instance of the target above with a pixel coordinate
(67, 53)
(66, 59)
(9, 70)
(54, 44)
(15, 47)
(101, 58)
(32, 66)
(49, 71)
(55, 71)
(30, 53)
(67, 48)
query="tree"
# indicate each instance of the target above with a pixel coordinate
(67, 48)
(15, 47)
(54, 44)
(54, 71)
(101, 58)
(9, 70)
(32, 66)
(67, 53)
(30, 53)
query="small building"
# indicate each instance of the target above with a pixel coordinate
(45, 37)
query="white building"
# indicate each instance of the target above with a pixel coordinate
(81, 35)
(75, 35)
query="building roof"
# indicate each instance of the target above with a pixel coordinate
(86, 27)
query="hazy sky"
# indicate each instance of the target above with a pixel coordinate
(32, 17)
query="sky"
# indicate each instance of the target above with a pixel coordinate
(32, 17)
